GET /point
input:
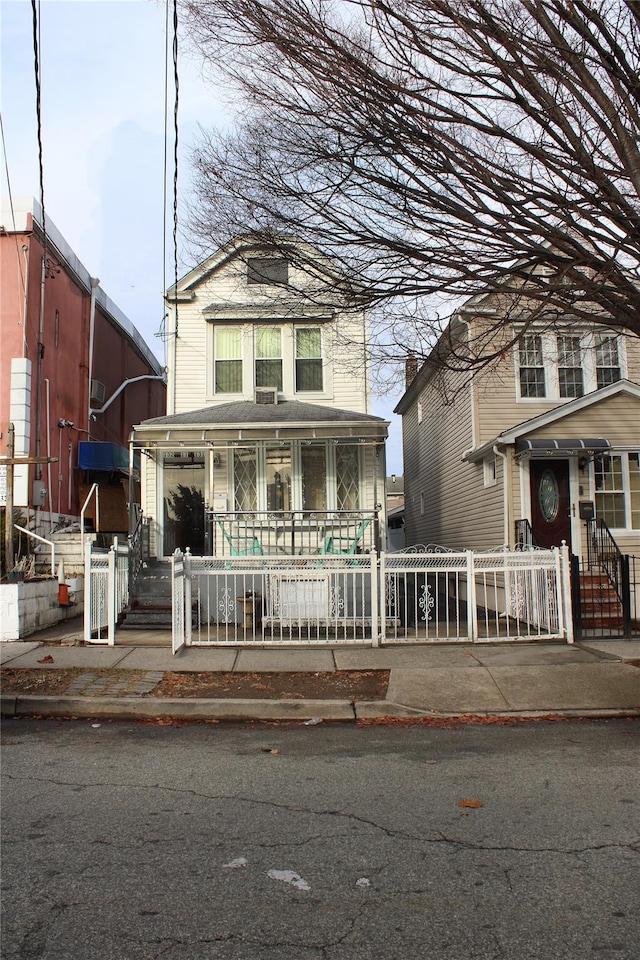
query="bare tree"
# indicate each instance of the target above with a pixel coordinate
(436, 149)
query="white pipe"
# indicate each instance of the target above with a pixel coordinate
(25, 250)
(125, 383)
(48, 386)
(505, 494)
(60, 471)
(92, 324)
(70, 474)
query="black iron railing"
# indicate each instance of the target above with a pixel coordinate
(525, 539)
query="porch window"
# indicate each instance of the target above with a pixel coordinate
(269, 357)
(532, 381)
(245, 475)
(314, 476)
(634, 490)
(228, 360)
(347, 477)
(308, 359)
(570, 378)
(609, 483)
(607, 361)
(278, 478)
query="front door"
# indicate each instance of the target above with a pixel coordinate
(550, 502)
(183, 494)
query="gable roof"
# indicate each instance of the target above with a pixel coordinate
(555, 415)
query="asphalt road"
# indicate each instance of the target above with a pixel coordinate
(124, 840)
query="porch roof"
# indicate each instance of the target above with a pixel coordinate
(244, 420)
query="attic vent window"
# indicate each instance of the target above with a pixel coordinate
(271, 270)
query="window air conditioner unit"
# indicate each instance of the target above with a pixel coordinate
(266, 395)
(97, 392)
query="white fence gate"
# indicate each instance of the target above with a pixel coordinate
(106, 591)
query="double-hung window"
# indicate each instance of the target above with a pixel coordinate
(269, 357)
(532, 378)
(617, 488)
(607, 361)
(228, 360)
(308, 359)
(563, 366)
(570, 377)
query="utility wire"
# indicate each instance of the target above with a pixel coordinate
(162, 331)
(35, 9)
(176, 81)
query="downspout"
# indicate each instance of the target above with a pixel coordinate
(506, 476)
(40, 348)
(25, 250)
(49, 493)
(92, 324)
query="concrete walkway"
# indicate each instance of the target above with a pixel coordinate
(594, 678)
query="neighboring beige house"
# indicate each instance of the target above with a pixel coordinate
(525, 450)
(268, 445)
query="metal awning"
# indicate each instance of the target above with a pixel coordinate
(104, 457)
(566, 448)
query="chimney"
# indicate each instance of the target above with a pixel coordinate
(410, 370)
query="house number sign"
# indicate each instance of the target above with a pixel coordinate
(548, 496)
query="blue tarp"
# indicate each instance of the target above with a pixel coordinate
(98, 455)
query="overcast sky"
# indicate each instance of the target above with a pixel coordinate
(102, 96)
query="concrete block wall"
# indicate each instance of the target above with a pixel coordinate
(33, 605)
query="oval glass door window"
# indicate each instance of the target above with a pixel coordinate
(548, 496)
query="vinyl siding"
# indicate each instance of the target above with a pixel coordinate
(459, 511)
(617, 419)
(344, 340)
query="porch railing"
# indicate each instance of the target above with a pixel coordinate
(604, 552)
(291, 533)
(525, 539)
(138, 548)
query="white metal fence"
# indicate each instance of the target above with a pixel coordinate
(421, 595)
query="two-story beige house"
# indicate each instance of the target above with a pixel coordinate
(528, 449)
(268, 446)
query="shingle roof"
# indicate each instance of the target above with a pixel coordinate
(244, 411)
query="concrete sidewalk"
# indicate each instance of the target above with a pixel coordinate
(593, 678)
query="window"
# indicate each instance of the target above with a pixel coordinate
(607, 361)
(617, 485)
(570, 380)
(490, 469)
(56, 329)
(270, 270)
(278, 477)
(228, 360)
(313, 458)
(565, 366)
(269, 357)
(308, 359)
(532, 380)
(245, 477)
(347, 477)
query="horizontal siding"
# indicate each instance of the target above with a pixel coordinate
(344, 340)
(459, 511)
(617, 419)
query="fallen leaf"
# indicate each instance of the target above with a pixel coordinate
(47, 659)
(473, 804)
(269, 749)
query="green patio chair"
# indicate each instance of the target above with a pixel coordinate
(330, 545)
(252, 544)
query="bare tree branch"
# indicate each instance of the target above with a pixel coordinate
(435, 149)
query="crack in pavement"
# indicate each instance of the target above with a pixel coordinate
(393, 834)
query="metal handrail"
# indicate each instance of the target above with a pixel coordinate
(525, 539)
(603, 551)
(289, 532)
(94, 489)
(35, 536)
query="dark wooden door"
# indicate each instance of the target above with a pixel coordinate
(550, 504)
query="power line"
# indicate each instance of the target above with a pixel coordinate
(35, 9)
(176, 81)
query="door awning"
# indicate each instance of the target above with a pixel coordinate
(566, 448)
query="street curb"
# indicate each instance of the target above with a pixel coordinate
(133, 708)
(155, 708)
